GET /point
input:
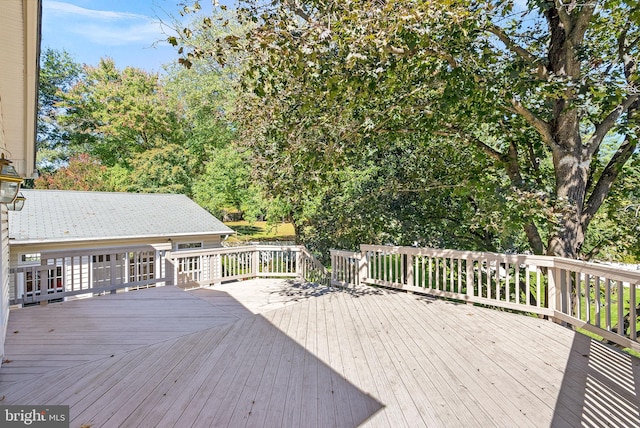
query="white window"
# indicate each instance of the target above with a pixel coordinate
(30, 258)
(189, 245)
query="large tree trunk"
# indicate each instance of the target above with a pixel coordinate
(570, 165)
(572, 172)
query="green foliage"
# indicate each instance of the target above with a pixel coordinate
(58, 74)
(115, 115)
(226, 186)
(343, 102)
(82, 173)
(141, 132)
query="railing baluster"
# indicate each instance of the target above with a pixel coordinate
(430, 272)
(517, 281)
(607, 287)
(596, 295)
(633, 316)
(587, 297)
(620, 288)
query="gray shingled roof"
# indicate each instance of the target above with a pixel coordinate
(61, 215)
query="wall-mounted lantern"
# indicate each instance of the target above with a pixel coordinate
(9, 181)
(17, 204)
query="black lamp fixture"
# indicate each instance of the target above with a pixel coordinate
(17, 204)
(9, 181)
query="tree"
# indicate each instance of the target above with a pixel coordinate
(58, 74)
(204, 96)
(129, 123)
(115, 115)
(534, 89)
(226, 186)
(82, 173)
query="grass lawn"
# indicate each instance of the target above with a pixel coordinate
(261, 231)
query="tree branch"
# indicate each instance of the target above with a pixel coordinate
(295, 8)
(510, 159)
(580, 25)
(622, 39)
(513, 46)
(490, 151)
(519, 50)
(513, 171)
(605, 126)
(543, 128)
(563, 14)
(608, 177)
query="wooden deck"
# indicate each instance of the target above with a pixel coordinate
(281, 354)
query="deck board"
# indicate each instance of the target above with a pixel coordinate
(276, 353)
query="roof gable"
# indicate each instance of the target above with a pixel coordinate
(62, 216)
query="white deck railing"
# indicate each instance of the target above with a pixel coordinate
(601, 299)
(61, 275)
(200, 268)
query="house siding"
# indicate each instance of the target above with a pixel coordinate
(4, 272)
(19, 58)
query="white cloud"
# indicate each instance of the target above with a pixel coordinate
(103, 27)
(61, 8)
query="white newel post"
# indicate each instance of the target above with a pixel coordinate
(410, 263)
(255, 262)
(553, 290)
(363, 267)
(470, 282)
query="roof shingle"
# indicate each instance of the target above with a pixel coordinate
(62, 215)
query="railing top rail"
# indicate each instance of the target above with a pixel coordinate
(346, 253)
(543, 261)
(229, 250)
(579, 266)
(598, 269)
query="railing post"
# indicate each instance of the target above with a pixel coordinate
(470, 282)
(363, 267)
(299, 264)
(255, 262)
(554, 292)
(170, 269)
(216, 272)
(410, 262)
(332, 258)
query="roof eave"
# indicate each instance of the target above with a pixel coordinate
(13, 241)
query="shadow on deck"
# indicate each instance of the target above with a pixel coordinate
(280, 353)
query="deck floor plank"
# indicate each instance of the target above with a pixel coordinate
(333, 410)
(467, 365)
(402, 411)
(183, 397)
(262, 364)
(424, 383)
(358, 348)
(362, 406)
(233, 347)
(261, 388)
(196, 344)
(293, 395)
(277, 353)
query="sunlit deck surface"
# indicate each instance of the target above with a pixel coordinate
(278, 353)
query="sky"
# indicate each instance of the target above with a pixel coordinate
(128, 31)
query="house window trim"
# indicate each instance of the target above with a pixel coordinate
(35, 261)
(189, 245)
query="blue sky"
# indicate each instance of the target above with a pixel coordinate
(129, 31)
